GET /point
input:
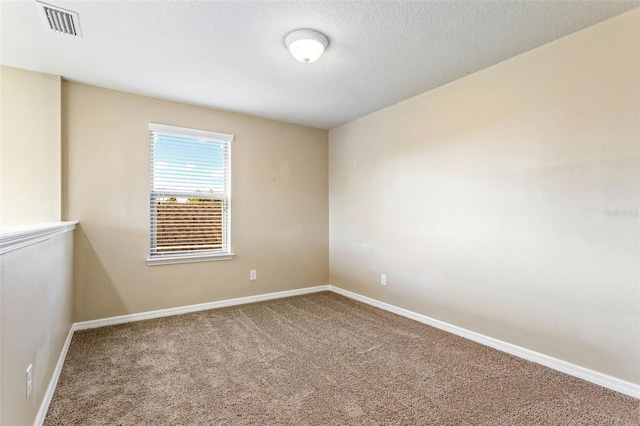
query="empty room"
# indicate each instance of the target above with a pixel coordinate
(319, 213)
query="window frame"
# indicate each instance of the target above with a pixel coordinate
(195, 255)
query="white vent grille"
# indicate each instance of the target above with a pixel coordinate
(60, 20)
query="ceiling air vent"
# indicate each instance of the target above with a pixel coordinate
(60, 20)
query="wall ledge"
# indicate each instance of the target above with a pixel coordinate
(14, 238)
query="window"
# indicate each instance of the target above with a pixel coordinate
(190, 195)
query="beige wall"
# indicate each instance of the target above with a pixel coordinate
(485, 201)
(279, 206)
(35, 317)
(35, 281)
(29, 147)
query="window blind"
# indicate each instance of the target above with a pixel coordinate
(190, 191)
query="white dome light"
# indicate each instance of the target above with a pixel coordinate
(306, 45)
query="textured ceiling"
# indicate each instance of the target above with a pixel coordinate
(230, 55)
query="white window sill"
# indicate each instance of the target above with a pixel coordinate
(170, 260)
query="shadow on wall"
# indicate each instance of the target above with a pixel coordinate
(93, 286)
(544, 258)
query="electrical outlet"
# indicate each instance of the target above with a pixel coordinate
(383, 279)
(29, 379)
(253, 275)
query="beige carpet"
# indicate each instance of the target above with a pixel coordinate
(319, 359)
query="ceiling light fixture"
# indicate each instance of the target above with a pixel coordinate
(306, 45)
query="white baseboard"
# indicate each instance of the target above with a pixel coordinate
(566, 367)
(194, 308)
(44, 405)
(601, 379)
(46, 401)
